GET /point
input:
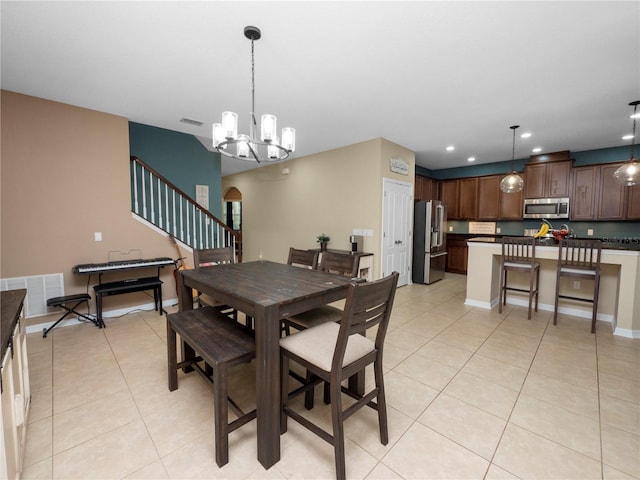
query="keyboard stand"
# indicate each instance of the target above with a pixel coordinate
(129, 286)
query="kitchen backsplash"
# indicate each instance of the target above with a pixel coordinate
(600, 229)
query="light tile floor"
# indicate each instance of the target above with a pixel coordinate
(471, 394)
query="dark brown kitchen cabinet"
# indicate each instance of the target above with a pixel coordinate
(584, 195)
(611, 195)
(633, 202)
(548, 179)
(449, 191)
(489, 198)
(511, 203)
(426, 188)
(457, 254)
(468, 199)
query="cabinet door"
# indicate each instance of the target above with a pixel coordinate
(611, 204)
(511, 205)
(468, 203)
(449, 195)
(536, 176)
(418, 184)
(457, 253)
(430, 189)
(489, 198)
(558, 179)
(633, 202)
(583, 198)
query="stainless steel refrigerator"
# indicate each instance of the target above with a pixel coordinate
(429, 241)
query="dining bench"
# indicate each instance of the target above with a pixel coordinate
(210, 336)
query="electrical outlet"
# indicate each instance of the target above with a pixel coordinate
(97, 236)
(498, 230)
(590, 232)
(576, 284)
(450, 228)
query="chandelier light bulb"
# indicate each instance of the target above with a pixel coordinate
(230, 125)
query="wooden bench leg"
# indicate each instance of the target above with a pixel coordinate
(221, 414)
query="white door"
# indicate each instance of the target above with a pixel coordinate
(396, 228)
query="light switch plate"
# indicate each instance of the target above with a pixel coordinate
(97, 236)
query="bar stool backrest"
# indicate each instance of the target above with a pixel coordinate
(580, 255)
(518, 250)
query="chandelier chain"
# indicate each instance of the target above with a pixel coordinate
(633, 138)
(253, 84)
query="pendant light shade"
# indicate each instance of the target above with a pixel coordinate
(513, 182)
(628, 174)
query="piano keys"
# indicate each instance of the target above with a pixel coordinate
(120, 265)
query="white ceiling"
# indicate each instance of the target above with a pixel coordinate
(423, 74)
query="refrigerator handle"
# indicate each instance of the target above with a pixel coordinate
(439, 225)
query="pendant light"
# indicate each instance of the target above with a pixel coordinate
(628, 173)
(266, 147)
(513, 182)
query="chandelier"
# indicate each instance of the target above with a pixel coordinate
(265, 148)
(513, 182)
(628, 173)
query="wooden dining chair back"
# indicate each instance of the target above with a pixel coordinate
(211, 257)
(342, 263)
(579, 259)
(334, 352)
(519, 255)
(303, 258)
(207, 257)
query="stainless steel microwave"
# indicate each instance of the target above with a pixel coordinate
(546, 208)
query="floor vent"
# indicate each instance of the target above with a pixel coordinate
(39, 289)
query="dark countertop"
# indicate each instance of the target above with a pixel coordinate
(11, 305)
(630, 244)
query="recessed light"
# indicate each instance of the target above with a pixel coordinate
(471, 159)
(525, 135)
(537, 150)
(628, 136)
(450, 148)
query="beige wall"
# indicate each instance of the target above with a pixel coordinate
(65, 175)
(331, 192)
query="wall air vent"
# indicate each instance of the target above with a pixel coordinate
(191, 122)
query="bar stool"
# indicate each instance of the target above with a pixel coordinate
(579, 259)
(519, 255)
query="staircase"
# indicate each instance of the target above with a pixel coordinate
(159, 202)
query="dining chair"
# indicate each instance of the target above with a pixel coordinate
(333, 352)
(579, 259)
(341, 263)
(210, 257)
(519, 255)
(303, 258)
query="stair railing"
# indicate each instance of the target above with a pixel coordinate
(161, 203)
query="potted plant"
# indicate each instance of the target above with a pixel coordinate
(323, 239)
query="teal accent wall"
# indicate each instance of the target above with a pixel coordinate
(181, 158)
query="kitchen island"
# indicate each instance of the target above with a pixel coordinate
(619, 284)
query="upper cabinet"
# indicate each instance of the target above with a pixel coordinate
(597, 195)
(550, 179)
(449, 193)
(426, 188)
(468, 199)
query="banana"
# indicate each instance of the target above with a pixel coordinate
(544, 228)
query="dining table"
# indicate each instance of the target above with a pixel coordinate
(267, 291)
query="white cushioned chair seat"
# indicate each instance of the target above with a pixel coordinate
(317, 345)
